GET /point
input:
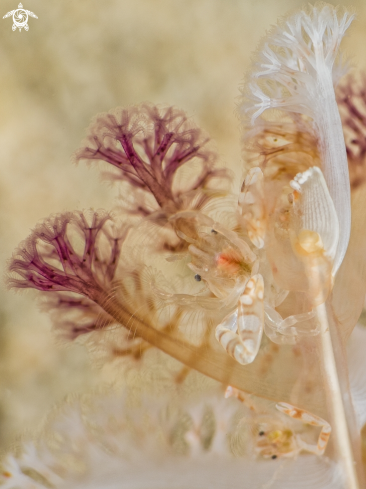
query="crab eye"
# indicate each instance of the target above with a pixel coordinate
(273, 457)
(198, 277)
(261, 433)
(213, 231)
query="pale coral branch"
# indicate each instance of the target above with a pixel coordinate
(340, 428)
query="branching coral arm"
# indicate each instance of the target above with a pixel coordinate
(39, 263)
(148, 144)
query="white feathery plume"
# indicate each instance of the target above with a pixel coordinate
(296, 72)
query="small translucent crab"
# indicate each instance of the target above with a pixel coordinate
(218, 256)
(274, 438)
(303, 233)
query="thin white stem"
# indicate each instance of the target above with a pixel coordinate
(340, 432)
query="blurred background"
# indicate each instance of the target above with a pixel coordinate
(79, 59)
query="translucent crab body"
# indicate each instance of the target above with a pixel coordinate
(275, 268)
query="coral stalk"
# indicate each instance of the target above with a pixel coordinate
(346, 453)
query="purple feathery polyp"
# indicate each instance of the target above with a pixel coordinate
(48, 261)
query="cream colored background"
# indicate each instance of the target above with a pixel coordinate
(84, 57)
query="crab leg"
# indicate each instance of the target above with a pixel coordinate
(311, 419)
(240, 333)
(286, 331)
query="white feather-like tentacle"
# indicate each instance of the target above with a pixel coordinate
(295, 73)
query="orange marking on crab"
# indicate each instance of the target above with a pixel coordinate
(229, 261)
(323, 441)
(234, 392)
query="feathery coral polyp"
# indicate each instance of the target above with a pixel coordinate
(351, 98)
(296, 74)
(148, 144)
(48, 260)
